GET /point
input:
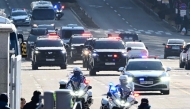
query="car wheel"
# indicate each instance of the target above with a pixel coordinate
(34, 66)
(92, 72)
(63, 66)
(165, 56)
(165, 92)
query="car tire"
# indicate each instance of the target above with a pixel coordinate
(165, 92)
(165, 56)
(63, 66)
(181, 65)
(92, 72)
(34, 66)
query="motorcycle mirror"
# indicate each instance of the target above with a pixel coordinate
(89, 87)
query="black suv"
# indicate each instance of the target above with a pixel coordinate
(107, 54)
(34, 33)
(49, 52)
(126, 37)
(86, 51)
(76, 44)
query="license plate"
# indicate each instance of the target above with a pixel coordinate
(146, 82)
(109, 63)
(175, 47)
(19, 21)
(50, 59)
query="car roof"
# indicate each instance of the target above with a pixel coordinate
(72, 28)
(176, 39)
(18, 11)
(141, 59)
(48, 39)
(45, 25)
(78, 36)
(134, 42)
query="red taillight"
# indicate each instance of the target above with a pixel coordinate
(136, 95)
(115, 56)
(168, 46)
(87, 81)
(54, 37)
(86, 34)
(63, 7)
(115, 37)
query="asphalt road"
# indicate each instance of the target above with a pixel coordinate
(125, 15)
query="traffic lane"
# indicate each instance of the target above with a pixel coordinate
(131, 12)
(102, 15)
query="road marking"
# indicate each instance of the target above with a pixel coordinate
(107, 3)
(111, 7)
(148, 32)
(181, 89)
(127, 22)
(123, 18)
(104, 0)
(130, 25)
(119, 15)
(115, 10)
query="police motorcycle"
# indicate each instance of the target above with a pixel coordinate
(80, 92)
(59, 11)
(116, 99)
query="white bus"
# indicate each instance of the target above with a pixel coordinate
(42, 10)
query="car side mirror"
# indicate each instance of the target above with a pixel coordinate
(89, 87)
(23, 49)
(147, 48)
(168, 69)
(164, 44)
(128, 49)
(121, 69)
(20, 38)
(140, 41)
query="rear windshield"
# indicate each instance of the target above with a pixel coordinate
(66, 34)
(32, 38)
(176, 42)
(109, 45)
(49, 43)
(79, 40)
(43, 14)
(134, 45)
(48, 27)
(39, 32)
(144, 65)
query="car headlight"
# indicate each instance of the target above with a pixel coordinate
(77, 93)
(164, 79)
(37, 52)
(86, 52)
(63, 51)
(130, 79)
(72, 48)
(124, 54)
(27, 19)
(95, 54)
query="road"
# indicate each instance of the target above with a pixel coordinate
(105, 15)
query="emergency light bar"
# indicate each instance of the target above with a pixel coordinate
(15, 9)
(35, 25)
(145, 57)
(54, 37)
(115, 38)
(86, 34)
(72, 25)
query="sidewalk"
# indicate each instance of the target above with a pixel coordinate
(161, 11)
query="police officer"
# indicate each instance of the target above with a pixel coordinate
(144, 104)
(59, 5)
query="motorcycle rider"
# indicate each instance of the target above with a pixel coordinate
(59, 5)
(76, 73)
(144, 104)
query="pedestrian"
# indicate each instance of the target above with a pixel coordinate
(185, 24)
(144, 104)
(22, 103)
(4, 101)
(35, 101)
(178, 22)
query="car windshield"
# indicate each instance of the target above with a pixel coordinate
(32, 38)
(48, 27)
(49, 43)
(134, 45)
(176, 42)
(144, 65)
(18, 13)
(79, 40)
(109, 45)
(39, 32)
(43, 14)
(66, 34)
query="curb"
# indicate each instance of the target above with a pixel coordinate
(156, 14)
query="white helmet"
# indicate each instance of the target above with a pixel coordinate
(77, 69)
(63, 82)
(123, 79)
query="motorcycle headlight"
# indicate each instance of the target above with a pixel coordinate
(130, 79)
(72, 48)
(164, 79)
(37, 52)
(122, 103)
(77, 93)
(86, 52)
(127, 104)
(124, 54)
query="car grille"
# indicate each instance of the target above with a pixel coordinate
(49, 54)
(109, 56)
(154, 79)
(19, 20)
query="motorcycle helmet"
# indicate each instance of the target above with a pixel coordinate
(77, 72)
(123, 79)
(144, 100)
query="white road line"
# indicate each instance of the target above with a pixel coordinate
(130, 30)
(97, 31)
(115, 11)
(123, 18)
(130, 25)
(148, 32)
(107, 3)
(127, 22)
(104, 0)
(119, 15)
(111, 7)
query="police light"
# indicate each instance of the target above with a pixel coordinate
(63, 7)
(55, 6)
(86, 34)
(136, 95)
(53, 37)
(115, 56)
(52, 33)
(113, 89)
(87, 81)
(110, 84)
(115, 37)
